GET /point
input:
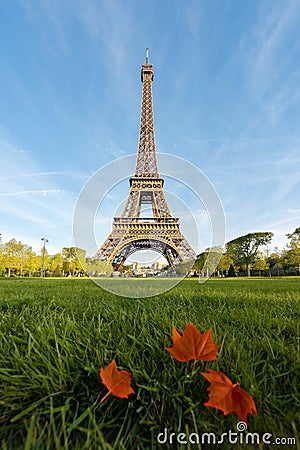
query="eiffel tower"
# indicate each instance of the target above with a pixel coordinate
(131, 232)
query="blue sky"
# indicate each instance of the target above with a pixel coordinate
(226, 98)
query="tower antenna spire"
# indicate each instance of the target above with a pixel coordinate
(147, 55)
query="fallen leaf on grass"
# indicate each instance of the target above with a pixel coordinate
(193, 345)
(228, 397)
(117, 381)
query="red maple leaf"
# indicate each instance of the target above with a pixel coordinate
(228, 397)
(193, 345)
(117, 381)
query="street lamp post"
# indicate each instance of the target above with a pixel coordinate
(43, 255)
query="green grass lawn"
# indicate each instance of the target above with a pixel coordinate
(57, 333)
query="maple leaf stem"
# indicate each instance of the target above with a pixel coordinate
(194, 365)
(105, 396)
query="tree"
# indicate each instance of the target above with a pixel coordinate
(183, 267)
(276, 261)
(2, 265)
(207, 262)
(74, 259)
(13, 256)
(31, 263)
(293, 254)
(260, 264)
(214, 256)
(225, 263)
(231, 271)
(199, 263)
(56, 264)
(94, 267)
(243, 250)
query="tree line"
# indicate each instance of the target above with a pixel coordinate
(242, 256)
(18, 259)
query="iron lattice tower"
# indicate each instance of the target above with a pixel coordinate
(131, 232)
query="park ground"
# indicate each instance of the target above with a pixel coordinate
(56, 334)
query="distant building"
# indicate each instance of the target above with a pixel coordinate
(136, 266)
(157, 265)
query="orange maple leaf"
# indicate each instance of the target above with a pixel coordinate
(193, 345)
(117, 381)
(228, 397)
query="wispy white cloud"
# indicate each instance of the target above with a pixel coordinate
(43, 192)
(294, 211)
(274, 24)
(193, 17)
(29, 175)
(33, 201)
(66, 174)
(41, 174)
(271, 65)
(290, 158)
(48, 13)
(23, 216)
(286, 187)
(112, 24)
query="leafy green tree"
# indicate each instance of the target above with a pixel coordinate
(214, 256)
(74, 259)
(260, 264)
(94, 267)
(36, 265)
(199, 262)
(225, 263)
(2, 265)
(30, 261)
(207, 262)
(293, 254)
(276, 261)
(231, 271)
(56, 264)
(13, 256)
(243, 250)
(295, 237)
(183, 267)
